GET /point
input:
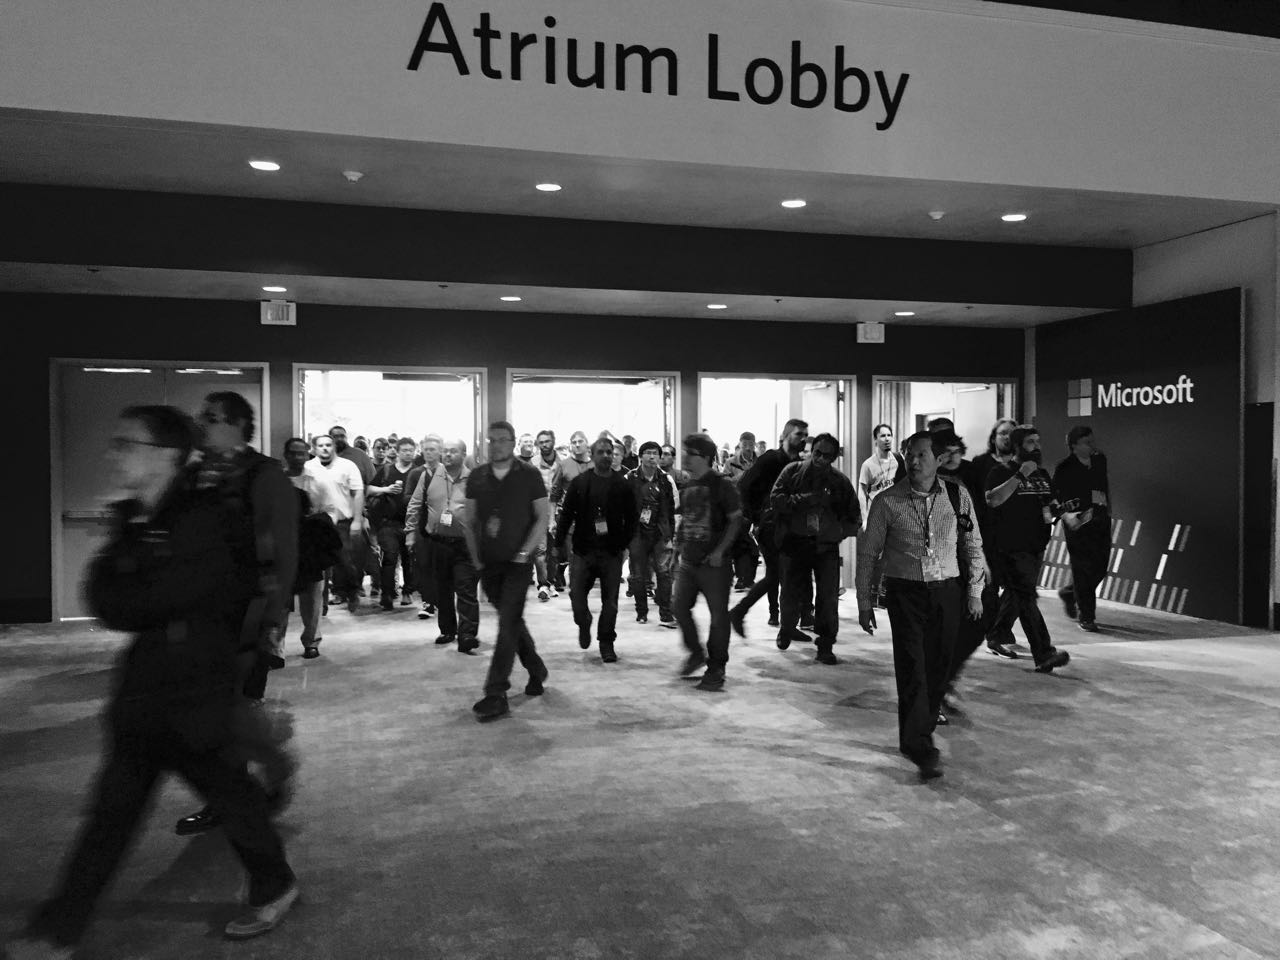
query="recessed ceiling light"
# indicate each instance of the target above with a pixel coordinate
(510, 299)
(548, 187)
(793, 204)
(275, 289)
(904, 313)
(717, 306)
(1014, 217)
(268, 166)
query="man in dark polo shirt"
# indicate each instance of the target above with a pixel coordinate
(651, 546)
(600, 509)
(1084, 495)
(506, 514)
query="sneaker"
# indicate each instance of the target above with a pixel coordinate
(1069, 606)
(406, 601)
(491, 707)
(628, 591)
(445, 638)
(608, 656)
(544, 594)
(534, 688)
(783, 640)
(259, 920)
(735, 621)
(825, 655)
(428, 610)
(713, 680)
(467, 645)
(668, 622)
(310, 653)
(1088, 626)
(584, 637)
(642, 618)
(692, 663)
(929, 763)
(1059, 658)
(1003, 650)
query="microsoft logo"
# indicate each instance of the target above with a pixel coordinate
(1079, 398)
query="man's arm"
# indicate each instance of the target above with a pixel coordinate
(275, 515)
(538, 532)
(471, 532)
(568, 513)
(781, 497)
(357, 502)
(557, 482)
(870, 547)
(414, 510)
(971, 546)
(997, 495)
(716, 557)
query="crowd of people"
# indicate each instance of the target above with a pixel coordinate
(215, 544)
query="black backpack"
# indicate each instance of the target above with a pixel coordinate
(964, 526)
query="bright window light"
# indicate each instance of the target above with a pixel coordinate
(793, 204)
(117, 370)
(510, 299)
(275, 289)
(548, 187)
(904, 313)
(717, 306)
(267, 166)
(1014, 217)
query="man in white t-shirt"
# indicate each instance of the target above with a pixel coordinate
(341, 489)
(879, 472)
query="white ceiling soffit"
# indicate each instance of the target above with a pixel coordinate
(119, 153)
(443, 295)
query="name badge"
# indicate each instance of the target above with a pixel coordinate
(446, 519)
(931, 568)
(602, 527)
(813, 521)
(492, 527)
(645, 514)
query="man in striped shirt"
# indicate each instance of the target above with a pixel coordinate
(933, 572)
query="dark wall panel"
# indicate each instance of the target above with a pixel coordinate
(149, 329)
(1185, 555)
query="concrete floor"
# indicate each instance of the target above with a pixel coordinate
(1124, 807)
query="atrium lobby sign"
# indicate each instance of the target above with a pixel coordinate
(801, 78)
(1161, 388)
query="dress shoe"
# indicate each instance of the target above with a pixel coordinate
(262, 919)
(1069, 607)
(201, 821)
(467, 644)
(1059, 658)
(712, 680)
(928, 762)
(642, 618)
(386, 603)
(607, 655)
(668, 622)
(692, 663)
(1003, 650)
(491, 707)
(584, 638)
(445, 638)
(310, 653)
(534, 688)
(735, 620)
(1088, 626)
(826, 655)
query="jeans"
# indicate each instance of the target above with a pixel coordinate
(455, 577)
(506, 585)
(650, 552)
(391, 540)
(1017, 573)
(125, 784)
(923, 619)
(346, 575)
(539, 559)
(971, 634)
(746, 559)
(807, 559)
(1089, 549)
(584, 569)
(424, 576)
(713, 583)
(768, 586)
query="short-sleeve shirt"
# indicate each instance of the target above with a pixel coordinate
(504, 508)
(1017, 525)
(877, 474)
(337, 484)
(705, 507)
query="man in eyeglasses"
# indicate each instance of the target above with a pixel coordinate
(815, 507)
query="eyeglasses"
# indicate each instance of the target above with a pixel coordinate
(211, 418)
(823, 455)
(121, 444)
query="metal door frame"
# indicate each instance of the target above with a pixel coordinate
(55, 439)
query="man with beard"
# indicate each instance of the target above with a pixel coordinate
(546, 563)
(389, 495)
(650, 550)
(1081, 487)
(754, 488)
(600, 509)
(342, 496)
(506, 513)
(1020, 497)
(815, 508)
(566, 470)
(364, 553)
(999, 450)
(667, 462)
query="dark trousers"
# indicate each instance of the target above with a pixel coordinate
(584, 570)
(971, 634)
(768, 585)
(506, 585)
(455, 578)
(425, 575)
(1016, 573)
(345, 573)
(1089, 549)
(368, 561)
(923, 618)
(121, 797)
(714, 584)
(650, 552)
(391, 540)
(746, 559)
(807, 561)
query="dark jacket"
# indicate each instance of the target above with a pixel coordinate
(664, 520)
(175, 584)
(756, 484)
(620, 513)
(813, 505)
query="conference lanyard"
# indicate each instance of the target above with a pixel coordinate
(925, 519)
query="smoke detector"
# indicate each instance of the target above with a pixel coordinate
(937, 214)
(353, 176)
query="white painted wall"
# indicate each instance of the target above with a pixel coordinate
(995, 95)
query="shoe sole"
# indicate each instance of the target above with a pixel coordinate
(1011, 655)
(248, 932)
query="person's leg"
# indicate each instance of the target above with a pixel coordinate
(1023, 573)
(826, 574)
(310, 602)
(639, 553)
(683, 594)
(947, 603)
(389, 541)
(1001, 630)
(660, 557)
(540, 566)
(121, 799)
(767, 586)
(255, 681)
(909, 608)
(610, 566)
(345, 580)
(582, 577)
(497, 585)
(514, 593)
(791, 592)
(442, 567)
(715, 584)
(425, 576)
(468, 606)
(1089, 556)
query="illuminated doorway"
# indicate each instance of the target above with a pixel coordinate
(642, 404)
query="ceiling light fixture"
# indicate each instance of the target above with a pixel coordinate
(266, 166)
(717, 306)
(510, 299)
(275, 289)
(1014, 217)
(793, 204)
(548, 187)
(904, 313)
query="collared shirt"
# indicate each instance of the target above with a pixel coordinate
(445, 493)
(903, 525)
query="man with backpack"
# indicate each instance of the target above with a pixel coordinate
(923, 531)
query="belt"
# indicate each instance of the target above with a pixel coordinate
(929, 584)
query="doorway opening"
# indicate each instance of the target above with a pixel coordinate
(87, 397)
(908, 405)
(373, 402)
(641, 404)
